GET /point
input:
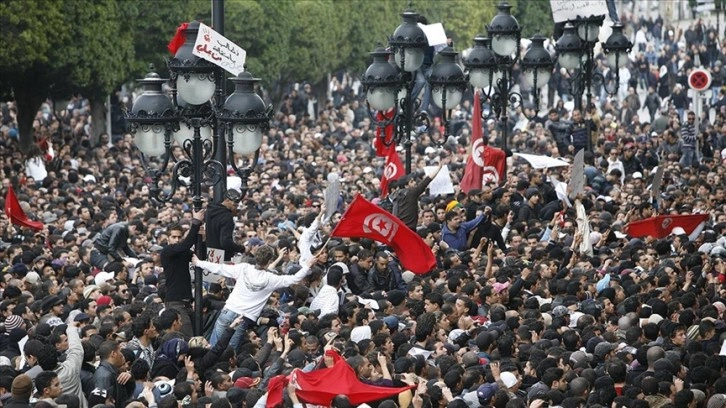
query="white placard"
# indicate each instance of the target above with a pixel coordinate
(566, 10)
(542, 162)
(441, 184)
(217, 49)
(435, 34)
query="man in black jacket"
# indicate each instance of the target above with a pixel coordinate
(108, 377)
(220, 228)
(175, 259)
(113, 240)
(404, 196)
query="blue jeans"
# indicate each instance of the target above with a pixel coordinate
(688, 156)
(225, 319)
(421, 84)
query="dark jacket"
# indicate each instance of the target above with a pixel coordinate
(13, 403)
(220, 229)
(175, 260)
(392, 280)
(113, 239)
(408, 204)
(87, 381)
(105, 379)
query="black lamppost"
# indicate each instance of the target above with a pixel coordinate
(196, 118)
(575, 51)
(490, 64)
(390, 86)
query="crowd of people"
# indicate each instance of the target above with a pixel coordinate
(98, 305)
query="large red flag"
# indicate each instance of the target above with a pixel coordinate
(485, 163)
(384, 149)
(474, 168)
(392, 171)
(662, 225)
(16, 214)
(319, 387)
(365, 220)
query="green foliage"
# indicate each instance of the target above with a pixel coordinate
(152, 27)
(534, 16)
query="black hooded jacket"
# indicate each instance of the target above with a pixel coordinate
(220, 229)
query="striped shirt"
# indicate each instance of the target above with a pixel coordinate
(688, 134)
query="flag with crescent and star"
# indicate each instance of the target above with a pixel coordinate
(485, 164)
(663, 225)
(365, 220)
(392, 171)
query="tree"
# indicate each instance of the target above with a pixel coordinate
(59, 48)
(534, 16)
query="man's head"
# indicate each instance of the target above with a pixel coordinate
(110, 351)
(264, 255)
(48, 384)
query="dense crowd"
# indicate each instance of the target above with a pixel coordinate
(97, 306)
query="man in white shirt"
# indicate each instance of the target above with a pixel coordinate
(327, 300)
(254, 286)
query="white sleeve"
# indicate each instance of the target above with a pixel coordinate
(306, 240)
(229, 271)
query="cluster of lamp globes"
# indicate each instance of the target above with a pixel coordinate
(243, 111)
(486, 62)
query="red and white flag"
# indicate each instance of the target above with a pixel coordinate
(392, 171)
(663, 225)
(384, 145)
(485, 163)
(365, 220)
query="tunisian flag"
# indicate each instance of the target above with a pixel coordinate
(16, 214)
(485, 163)
(384, 149)
(392, 171)
(662, 225)
(319, 387)
(365, 220)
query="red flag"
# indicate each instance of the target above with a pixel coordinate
(365, 220)
(319, 387)
(16, 214)
(178, 39)
(392, 171)
(485, 163)
(474, 166)
(384, 149)
(662, 225)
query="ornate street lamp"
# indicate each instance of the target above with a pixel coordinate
(196, 120)
(246, 119)
(575, 51)
(491, 61)
(389, 87)
(448, 84)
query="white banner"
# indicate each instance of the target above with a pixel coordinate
(566, 10)
(542, 162)
(435, 34)
(441, 184)
(217, 49)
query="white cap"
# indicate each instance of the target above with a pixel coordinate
(430, 150)
(509, 379)
(637, 175)
(678, 231)
(103, 277)
(367, 170)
